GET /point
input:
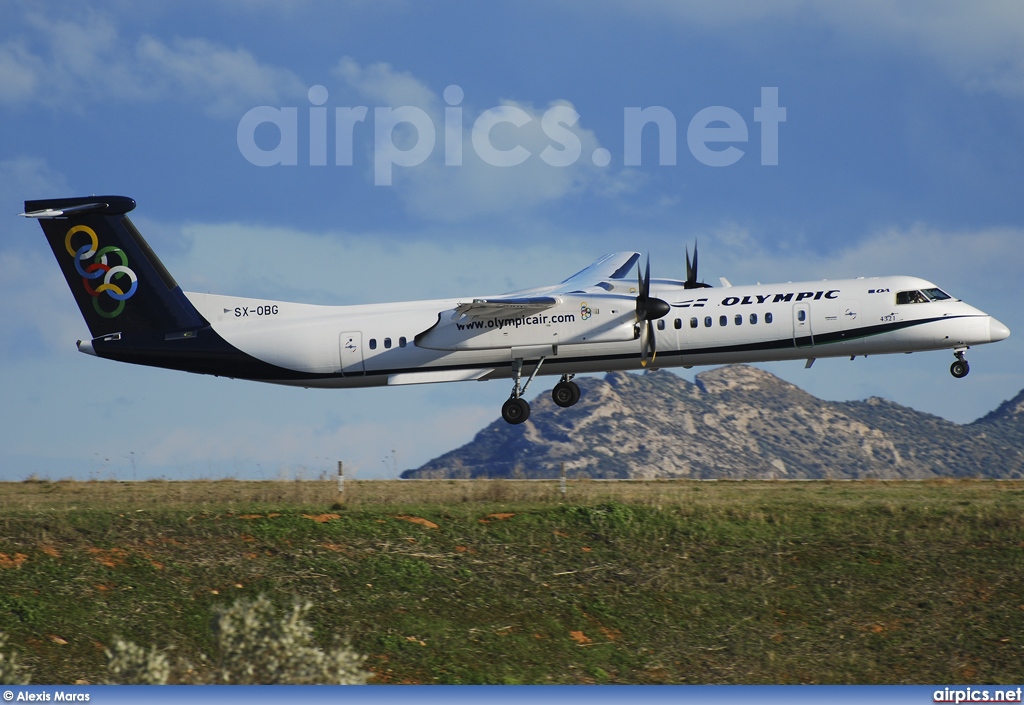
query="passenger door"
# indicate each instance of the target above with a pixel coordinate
(802, 336)
(351, 349)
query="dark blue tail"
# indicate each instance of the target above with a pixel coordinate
(119, 283)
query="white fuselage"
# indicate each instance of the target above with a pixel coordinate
(593, 331)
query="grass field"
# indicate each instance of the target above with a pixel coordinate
(504, 582)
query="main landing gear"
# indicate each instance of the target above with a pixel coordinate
(516, 410)
(566, 392)
(959, 368)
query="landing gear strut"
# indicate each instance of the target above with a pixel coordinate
(566, 392)
(959, 368)
(516, 410)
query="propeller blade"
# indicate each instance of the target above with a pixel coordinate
(648, 344)
(644, 336)
(648, 309)
(643, 285)
(691, 271)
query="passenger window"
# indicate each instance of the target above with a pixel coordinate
(739, 319)
(693, 323)
(661, 324)
(753, 318)
(723, 320)
(373, 343)
(768, 317)
(678, 323)
(707, 321)
(387, 343)
(801, 315)
(401, 342)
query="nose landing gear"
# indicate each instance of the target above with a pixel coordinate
(959, 368)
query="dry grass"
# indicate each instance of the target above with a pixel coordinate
(226, 495)
(503, 581)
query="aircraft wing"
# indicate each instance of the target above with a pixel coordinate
(618, 265)
(597, 278)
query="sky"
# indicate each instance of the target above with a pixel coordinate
(353, 151)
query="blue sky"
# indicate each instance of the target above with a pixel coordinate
(902, 151)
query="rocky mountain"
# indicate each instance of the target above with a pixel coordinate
(734, 422)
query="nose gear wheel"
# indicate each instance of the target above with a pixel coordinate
(959, 368)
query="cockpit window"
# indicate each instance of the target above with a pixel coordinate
(910, 297)
(921, 297)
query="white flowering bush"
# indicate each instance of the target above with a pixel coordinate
(257, 648)
(11, 671)
(128, 663)
(254, 646)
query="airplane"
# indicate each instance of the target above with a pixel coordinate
(600, 319)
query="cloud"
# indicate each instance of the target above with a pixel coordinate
(369, 445)
(19, 72)
(977, 44)
(69, 62)
(441, 192)
(507, 159)
(979, 260)
(26, 177)
(355, 267)
(223, 80)
(39, 311)
(382, 85)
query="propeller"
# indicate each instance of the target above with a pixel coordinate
(691, 271)
(648, 310)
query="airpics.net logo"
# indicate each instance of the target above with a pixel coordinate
(407, 136)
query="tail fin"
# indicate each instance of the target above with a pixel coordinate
(119, 283)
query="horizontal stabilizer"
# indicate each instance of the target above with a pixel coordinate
(54, 213)
(63, 207)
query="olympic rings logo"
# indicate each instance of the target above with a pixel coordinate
(585, 311)
(100, 267)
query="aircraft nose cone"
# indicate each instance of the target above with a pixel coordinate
(996, 330)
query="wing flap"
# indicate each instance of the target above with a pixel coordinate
(506, 306)
(432, 376)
